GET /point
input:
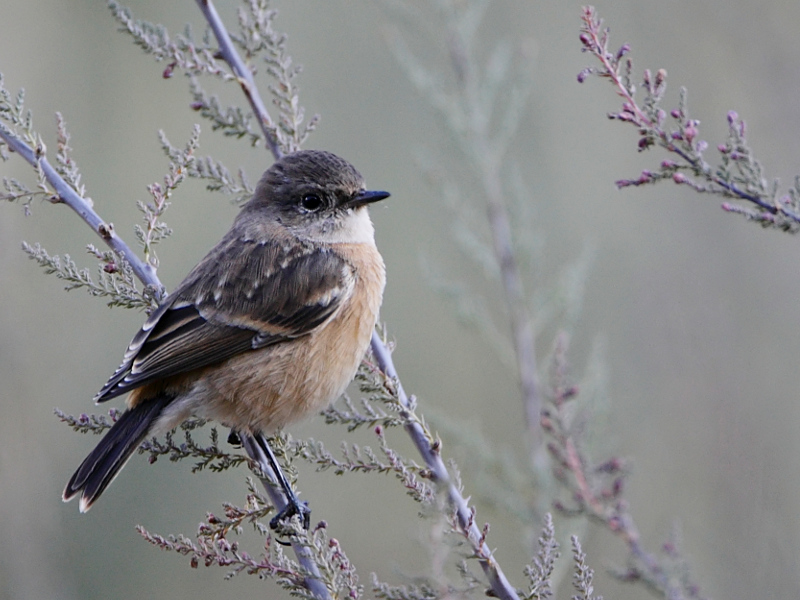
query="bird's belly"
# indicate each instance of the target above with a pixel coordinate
(267, 389)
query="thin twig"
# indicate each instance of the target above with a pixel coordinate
(596, 490)
(486, 155)
(521, 327)
(67, 195)
(501, 587)
(595, 40)
(243, 74)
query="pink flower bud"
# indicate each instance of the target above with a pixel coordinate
(661, 77)
(168, 71)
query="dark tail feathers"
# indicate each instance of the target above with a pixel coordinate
(100, 468)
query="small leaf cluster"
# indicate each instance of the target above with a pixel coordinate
(582, 579)
(182, 52)
(83, 423)
(258, 41)
(540, 571)
(231, 121)
(156, 230)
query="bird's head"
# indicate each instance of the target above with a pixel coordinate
(317, 196)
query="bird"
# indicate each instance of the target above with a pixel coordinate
(269, 327)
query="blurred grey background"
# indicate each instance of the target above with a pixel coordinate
(697, 309)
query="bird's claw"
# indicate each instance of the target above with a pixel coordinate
(290, 510)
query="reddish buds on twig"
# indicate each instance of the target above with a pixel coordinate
(168, 71)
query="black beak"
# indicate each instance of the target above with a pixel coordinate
(366, 197)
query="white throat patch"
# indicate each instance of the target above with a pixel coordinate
(353, 227)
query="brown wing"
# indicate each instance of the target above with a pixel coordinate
(242, 296)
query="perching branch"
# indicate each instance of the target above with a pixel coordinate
(500, 584)
(269, 481)
(429, 450)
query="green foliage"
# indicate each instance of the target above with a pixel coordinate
(182, 51)
(17, 121)
(231, 121)
(259, 42)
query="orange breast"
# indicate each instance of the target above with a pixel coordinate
(267, 389)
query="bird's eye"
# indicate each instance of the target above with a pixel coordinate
(311, 202)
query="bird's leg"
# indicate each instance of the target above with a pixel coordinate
(293, 504)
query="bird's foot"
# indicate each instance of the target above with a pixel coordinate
(294, 507)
